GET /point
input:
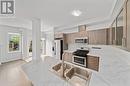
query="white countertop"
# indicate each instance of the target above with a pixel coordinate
(40, 75)
(114, 69)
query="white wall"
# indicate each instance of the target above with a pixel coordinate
(16, 22)
(5, 55)
(43, 37)
(28, 38)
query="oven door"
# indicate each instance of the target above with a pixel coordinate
(79, 60)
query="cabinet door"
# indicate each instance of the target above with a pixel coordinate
(69, 38)
(68, 57)
(98, 36)
(93, 62)
(82, 28)
(128, 25)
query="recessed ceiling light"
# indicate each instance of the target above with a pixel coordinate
(76, 13)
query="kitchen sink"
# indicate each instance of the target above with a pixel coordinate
(58, 69)
(76, 76)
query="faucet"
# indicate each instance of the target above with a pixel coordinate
(63, 65)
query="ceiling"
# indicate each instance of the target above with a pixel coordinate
(57, 13)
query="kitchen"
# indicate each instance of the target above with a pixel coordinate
(103, 63)
(74, 43)
(40, 73)
(80, 45)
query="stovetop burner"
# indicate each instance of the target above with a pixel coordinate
(82, 53)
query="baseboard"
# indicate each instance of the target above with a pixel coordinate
(10, 60)
(28, 59)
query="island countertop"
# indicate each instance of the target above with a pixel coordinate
(114, 69)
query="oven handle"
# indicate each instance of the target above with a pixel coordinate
(79, 56)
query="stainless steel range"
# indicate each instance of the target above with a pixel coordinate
(80, 57)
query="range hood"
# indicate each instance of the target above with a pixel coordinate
(81, 39)
(81, 28)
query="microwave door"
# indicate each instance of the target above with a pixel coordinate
(79, 41)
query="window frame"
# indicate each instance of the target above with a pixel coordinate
(20, 42)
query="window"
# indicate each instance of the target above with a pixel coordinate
(30, 46)
(119, 29)
(14, 42)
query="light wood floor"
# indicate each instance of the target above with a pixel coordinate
(11, 74)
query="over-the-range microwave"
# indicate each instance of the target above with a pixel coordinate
(81, 40)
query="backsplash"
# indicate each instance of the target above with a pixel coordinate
(74, 46)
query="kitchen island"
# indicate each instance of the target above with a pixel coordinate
(114, 69)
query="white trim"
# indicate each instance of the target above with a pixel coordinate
(14, 51)
(14, 33)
